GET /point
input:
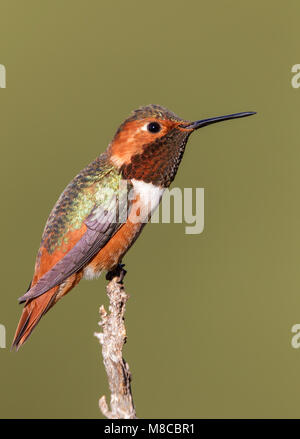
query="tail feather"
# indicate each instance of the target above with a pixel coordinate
(31, 315)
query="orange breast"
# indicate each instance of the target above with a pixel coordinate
(111, 254)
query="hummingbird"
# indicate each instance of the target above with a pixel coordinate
(104, 208)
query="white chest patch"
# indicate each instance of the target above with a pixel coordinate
(90, 273)
(150, 195)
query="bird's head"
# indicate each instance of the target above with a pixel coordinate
(150, 143)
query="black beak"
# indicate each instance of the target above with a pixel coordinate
(204, 122)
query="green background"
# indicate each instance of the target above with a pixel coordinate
(209, 319)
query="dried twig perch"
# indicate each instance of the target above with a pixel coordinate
(112, 339)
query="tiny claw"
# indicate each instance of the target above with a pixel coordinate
(118, 272)
(122, 274)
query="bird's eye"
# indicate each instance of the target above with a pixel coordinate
(153, 127)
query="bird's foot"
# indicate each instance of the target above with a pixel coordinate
(118, 272)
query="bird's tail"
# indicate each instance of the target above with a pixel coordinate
(31, 315)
